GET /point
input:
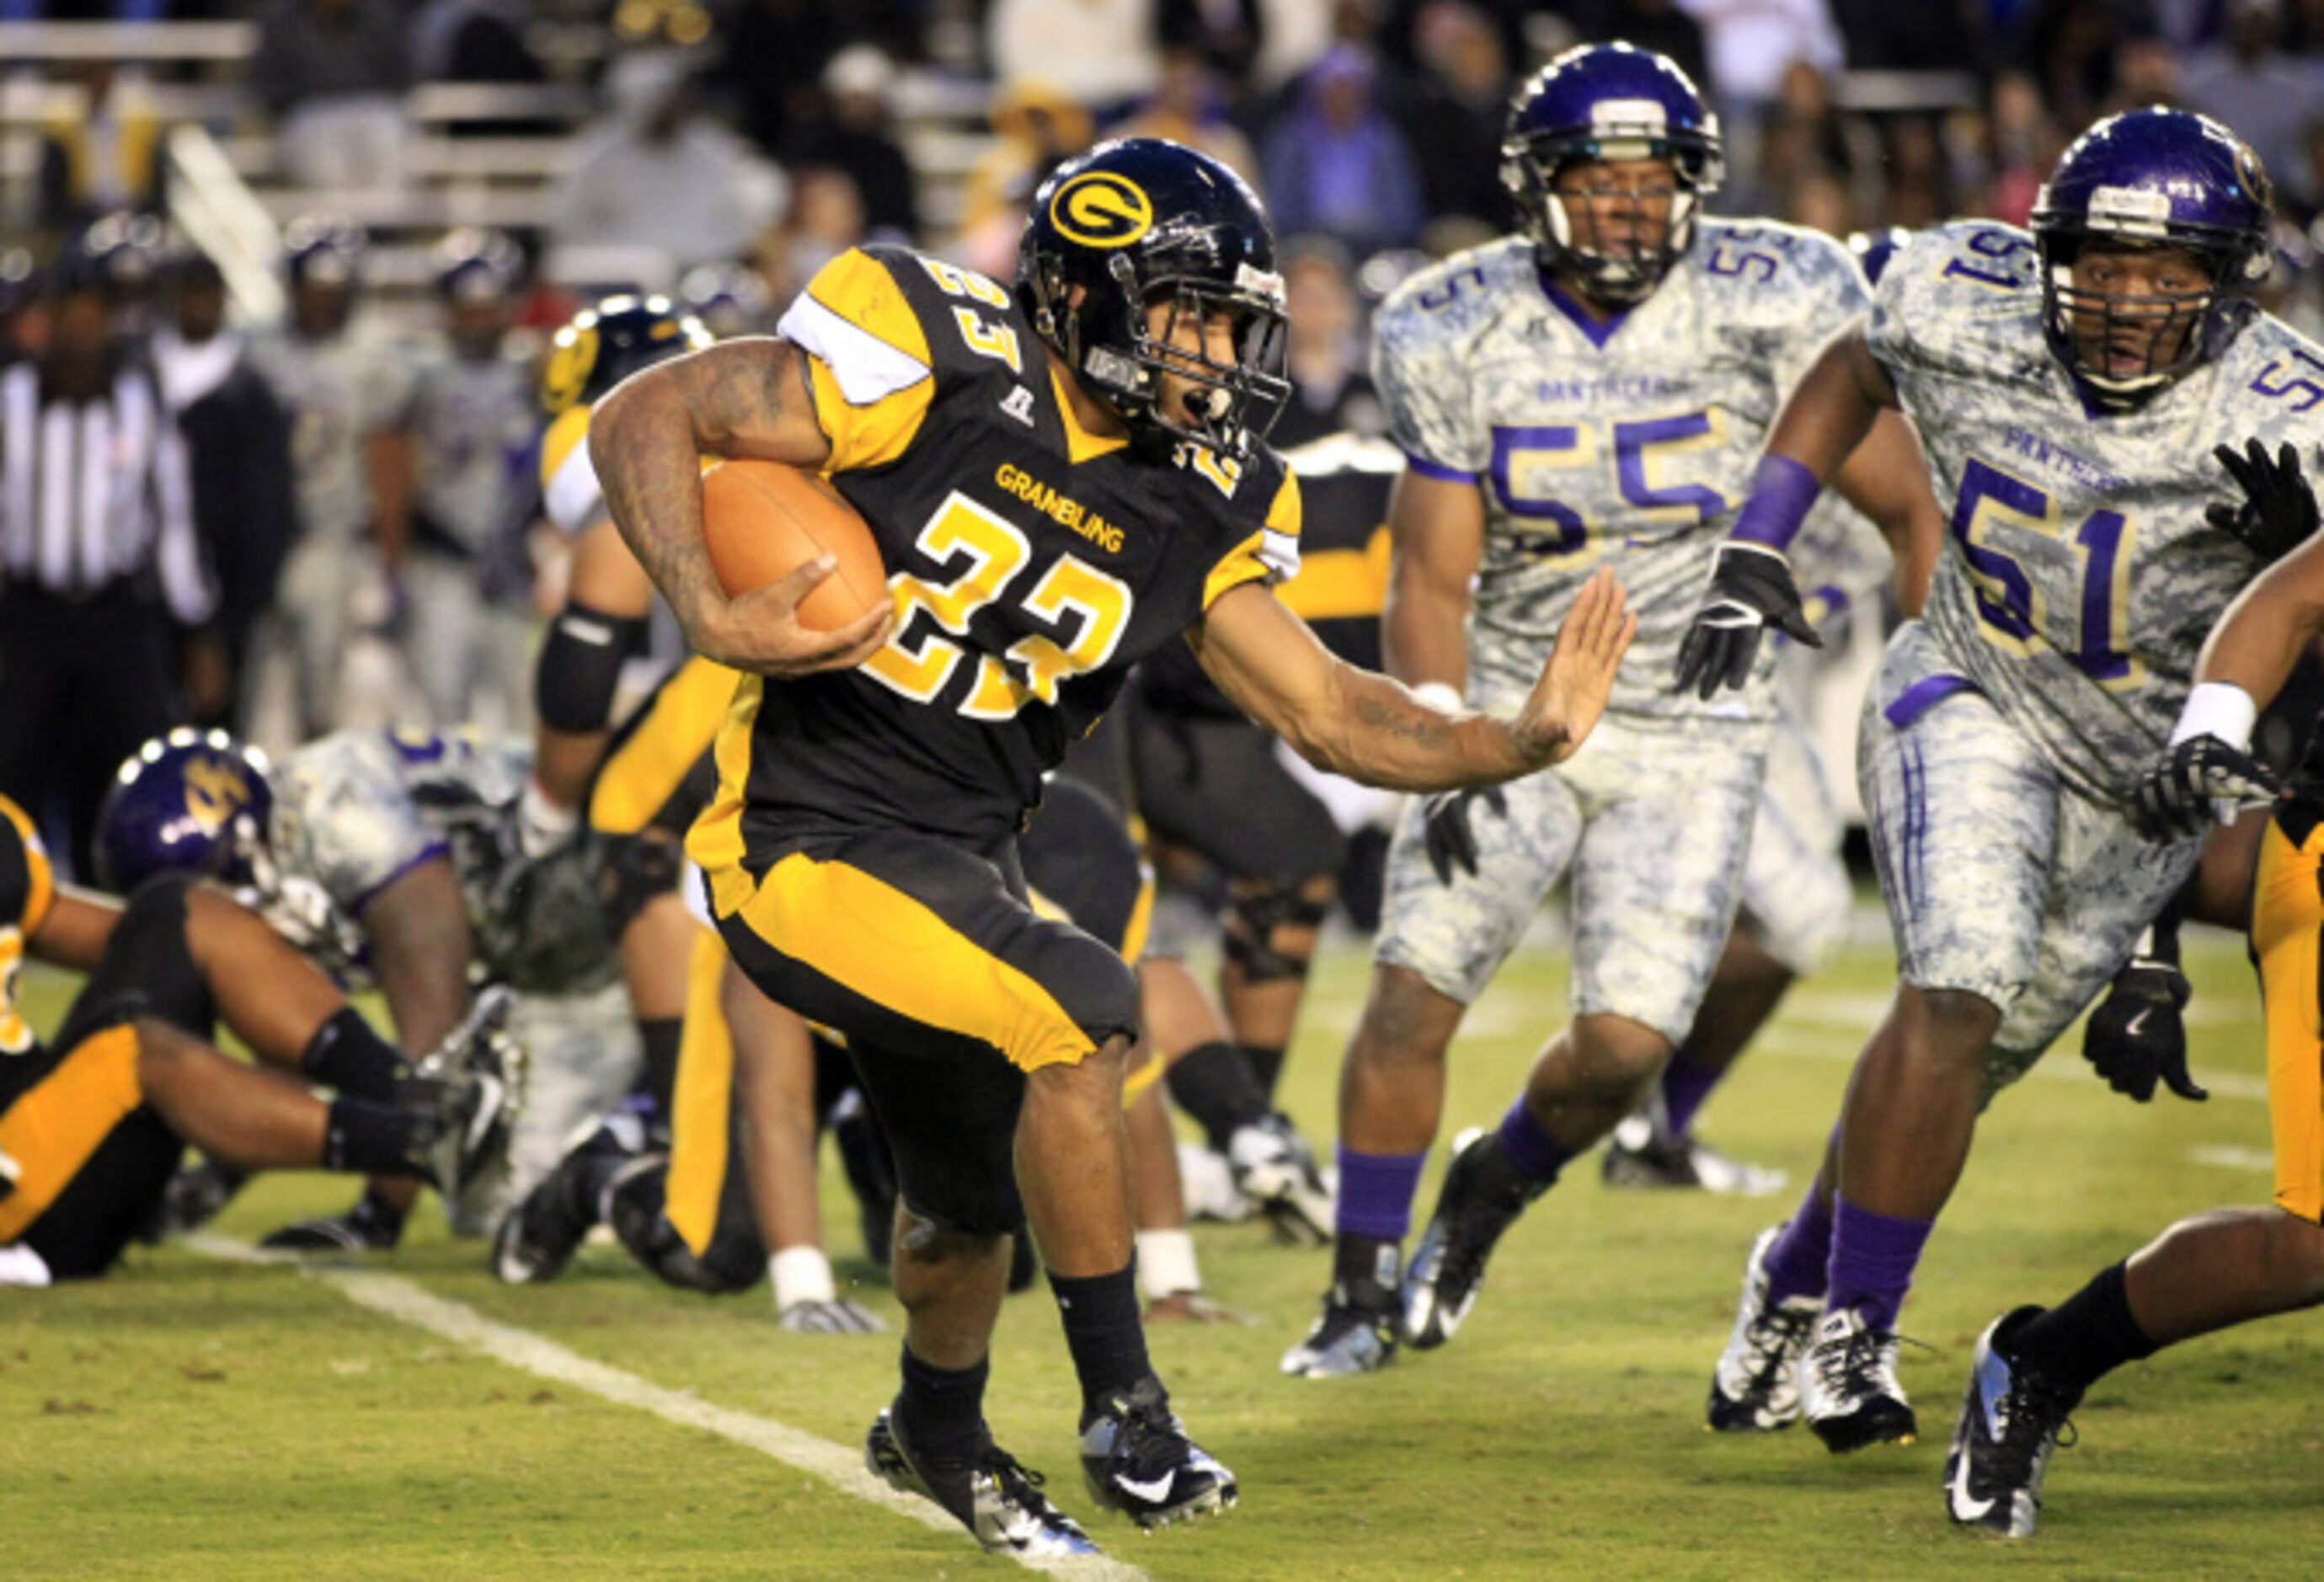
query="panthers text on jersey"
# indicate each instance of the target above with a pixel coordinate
(27, 887)
(1633, 439)
(1031, 564)
(2079, 576)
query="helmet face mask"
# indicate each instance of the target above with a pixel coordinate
(1624, 111)
(2153, 237)
(1132, 254)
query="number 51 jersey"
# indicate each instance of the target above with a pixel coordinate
(2079, 577)
(1031, 564)
(1631, 440)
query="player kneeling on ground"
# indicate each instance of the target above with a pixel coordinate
(94, 1122)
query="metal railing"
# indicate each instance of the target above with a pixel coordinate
(222, 217)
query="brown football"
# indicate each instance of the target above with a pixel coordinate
(763, 520)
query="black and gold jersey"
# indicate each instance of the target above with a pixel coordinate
(1031, 564)
(27, 887)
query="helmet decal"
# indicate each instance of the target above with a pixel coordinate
(1102, 209)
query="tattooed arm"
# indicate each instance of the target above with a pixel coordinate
(1358, 723)
(740, 398)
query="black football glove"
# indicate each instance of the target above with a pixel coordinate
(2181, 795)
(1751, 589)
(2278, 513)
(2136, 1035)
(1452, 843)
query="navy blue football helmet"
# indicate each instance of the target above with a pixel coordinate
(1609, 102)
(193, 801)
(2153, 179)
(320, 249)
(477, 263)
(606, 344)
(1146, 221)
(1876, 250)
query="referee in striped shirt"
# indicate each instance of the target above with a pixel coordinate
(100, 566)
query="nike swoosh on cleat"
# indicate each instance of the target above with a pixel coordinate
(1966, 1508)
(1153, 1492)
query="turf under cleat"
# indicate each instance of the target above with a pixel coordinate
(1641, 1156)
(1139, 1461)
(370, 1227)
(1348, 1338)
(1273, 1168)
(1849, 1391)
(2012, 1421)
(1756, 1387)
(1482, 1197)
(538, 1237)
(999, 1502)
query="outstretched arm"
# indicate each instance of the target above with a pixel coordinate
(1361, 724)
(2270, 626)
(1887, 479)
(740, 398)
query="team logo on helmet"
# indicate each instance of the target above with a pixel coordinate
(570, 361)
(217, 790)
(1101, 209)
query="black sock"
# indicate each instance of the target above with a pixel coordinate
(370, 1138)
(347, 1057)
(662, 1035)
(1105, 1334)
(1214, 1083)
(2084, 1338)
(942, 1409)
(1267, 1065)
(1366, 1269)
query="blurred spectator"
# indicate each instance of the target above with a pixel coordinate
(1918, 192)
(826, 219)
(2025, 143)
(106, 156)
(774, 51)
(19, 290)
(2145, 72)
(332, 73)
(2300, 189)
(1819, 202)
(1191, 108)
(1226, 35)
(1753, 42)
(730, 298)
(1105, 55)
(1035, 128)
(467, 582)
(1330, 391)
(656, 175)
(238, 442)
(101, 555)
(1458, 111)
(1806, 140)
(345, 393)
(2248, 82)
(852, 135)
(1335, 164)
(473, 41)
(2069, 48)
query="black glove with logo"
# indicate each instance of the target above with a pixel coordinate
(2278, 513)
(1751, 589)
(2137, 1035)
(1452, 843)
(2179, 797)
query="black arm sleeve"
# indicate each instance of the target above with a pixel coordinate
(581, 665)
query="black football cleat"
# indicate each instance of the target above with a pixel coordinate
(2013, 1418)
(1482, 1196)
(538, 1237)
(998, 1501)
(1139, 1461)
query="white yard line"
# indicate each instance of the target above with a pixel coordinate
(2240, 1159)
(409, 1303)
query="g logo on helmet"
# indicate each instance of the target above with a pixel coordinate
(1101, 209)
(215, 791)
(574, 355)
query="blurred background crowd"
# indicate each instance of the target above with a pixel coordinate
(329, 240)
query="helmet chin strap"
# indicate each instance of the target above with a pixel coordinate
(1614, 280)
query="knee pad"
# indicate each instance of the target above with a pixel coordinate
(634, 1208)
(1255, 913)
(635, 870)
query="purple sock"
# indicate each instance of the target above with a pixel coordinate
(1376, 1193)
(1537, 1155)
(1686, 1086)
(1872, 1261)
(1801, 1252)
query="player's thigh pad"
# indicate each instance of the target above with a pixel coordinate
(94, 1158)
(1796, 895)
(2107, 883)
(1659, 872)
(2287, 927)
(922, 946)
(1964, 813)
(1456, 936)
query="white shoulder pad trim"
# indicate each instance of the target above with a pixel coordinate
(1279, 553)
(573, 499)
(868, 368)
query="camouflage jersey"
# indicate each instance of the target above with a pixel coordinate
(1635, 438)
(2079, 577)
(340, 393)
(474, 426)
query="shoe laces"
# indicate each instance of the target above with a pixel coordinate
(1852, 1366)
(1774, 1330)
(2034, 1411)
(1018, 1484)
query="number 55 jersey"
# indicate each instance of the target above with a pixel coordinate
(2079, 577)
(1633, 439)
(1031, 564)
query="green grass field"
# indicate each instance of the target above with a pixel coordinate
(196, 1417)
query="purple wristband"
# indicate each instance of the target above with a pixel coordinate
(1781, 491)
